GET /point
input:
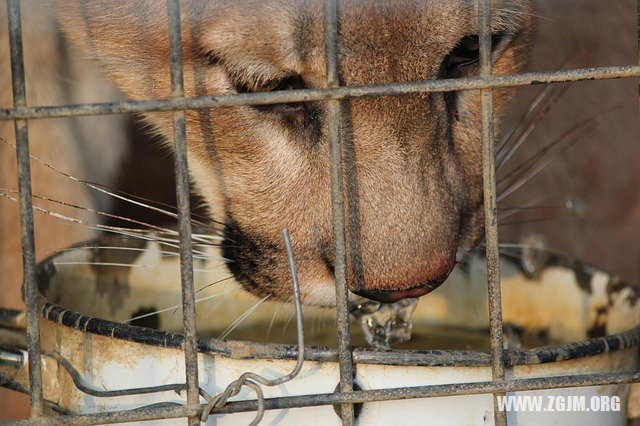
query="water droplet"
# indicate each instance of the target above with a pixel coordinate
(383, 323)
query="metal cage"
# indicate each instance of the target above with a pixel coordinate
(332, 94)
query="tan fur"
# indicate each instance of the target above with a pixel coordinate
(406, 187)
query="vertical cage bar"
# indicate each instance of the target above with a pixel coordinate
(490, 204)
(26, 211)
(184, 210)
(338, 210)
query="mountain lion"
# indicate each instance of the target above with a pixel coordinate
(413, 167)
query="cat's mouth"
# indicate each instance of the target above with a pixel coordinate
(393, 296)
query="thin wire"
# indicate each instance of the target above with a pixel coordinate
(253, 380)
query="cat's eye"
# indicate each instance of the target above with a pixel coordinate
(293, 82)
(288, 83)
(466, 54)
(269, 86)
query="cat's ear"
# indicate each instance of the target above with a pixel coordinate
(129, 38)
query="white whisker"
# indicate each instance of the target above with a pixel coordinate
(162, 252)
(100, 187)
(208, 236)
(133, 233)
(242, 317)
(136, 234)
(100, 213)
(547, 155)
(129, 265)
(273, 320)
(511, 211)
(213, 283)
(213, 296)
(214, 307)
(286, 324)
(536, 113)
(206, 298)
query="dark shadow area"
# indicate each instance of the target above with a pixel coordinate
(148, 171)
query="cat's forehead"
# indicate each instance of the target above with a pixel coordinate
(269, 36)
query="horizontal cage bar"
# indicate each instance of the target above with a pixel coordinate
(168, 412)
(333, 93)
(306, 95)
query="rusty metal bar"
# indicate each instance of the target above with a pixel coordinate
(345, 354)
(254, 380)
(305, 95)
(26, 211)
(333, 94)
(490, 206)
(184, 212)
(517, 385)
